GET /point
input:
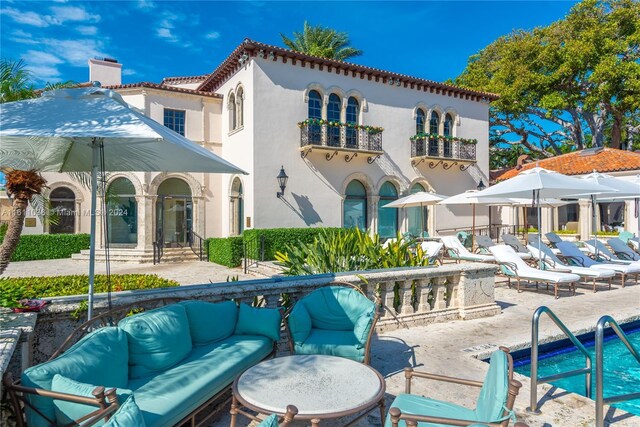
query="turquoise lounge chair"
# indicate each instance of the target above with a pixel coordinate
(622, 250)
(494, 406)
(272, 420)
(335, 320)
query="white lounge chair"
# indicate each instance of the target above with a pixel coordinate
(457, 251)
(513, 266)
(517, 246)
(574, 255)
(552, 262)
(432, 251)
(601, 252)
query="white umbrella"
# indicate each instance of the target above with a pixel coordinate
(540, 183)
(470, 197)
(73, 130)
(622, 189)
(421, 199)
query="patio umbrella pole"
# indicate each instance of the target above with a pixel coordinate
(594, 219)
(92, 238)
(536, 200)
(473, 226)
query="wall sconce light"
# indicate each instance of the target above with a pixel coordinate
(481, 186)
(282, 182)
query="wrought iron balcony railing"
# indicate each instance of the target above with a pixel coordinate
(341, 136)
(445, 148)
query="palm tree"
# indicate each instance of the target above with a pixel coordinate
(321, 41)
(23, 186)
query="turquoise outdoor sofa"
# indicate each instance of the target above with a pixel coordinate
(165, 365)
(335, 320)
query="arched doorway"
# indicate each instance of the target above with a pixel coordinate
(418, 216)
(355, 206)
(122, 212)
(174, 213)
(63, 208)
(236, 207)
(387, 218)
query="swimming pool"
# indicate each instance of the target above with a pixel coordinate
(621, 370)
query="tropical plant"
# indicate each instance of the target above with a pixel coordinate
(570, 85)
(23, 186)
(321, 41)
(353, 250)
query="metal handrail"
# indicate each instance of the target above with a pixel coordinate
(600, 399)
(198, 241)
(534, 358)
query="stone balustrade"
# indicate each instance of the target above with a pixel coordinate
(409, 296)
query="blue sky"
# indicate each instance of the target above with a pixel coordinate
(170, 38)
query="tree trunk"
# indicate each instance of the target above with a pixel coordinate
(616, 131)
(12, 237)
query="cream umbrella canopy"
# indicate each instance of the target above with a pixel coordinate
(538, 183)
(77, 130)
(419, 199)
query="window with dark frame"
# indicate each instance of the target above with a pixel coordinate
(174, 120)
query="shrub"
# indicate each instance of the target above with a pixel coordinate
(278, 239)
(48, 246)
(565, 231)
(226, 250)
(16, 288)
(350, 250)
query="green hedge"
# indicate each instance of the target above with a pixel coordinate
(276, 239)
(48, 246)
(225, 250)
(16, 288)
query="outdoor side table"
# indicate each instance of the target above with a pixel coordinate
(321, 387)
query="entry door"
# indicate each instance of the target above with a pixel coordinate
(176, 217)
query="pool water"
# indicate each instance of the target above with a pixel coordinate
(621, 370)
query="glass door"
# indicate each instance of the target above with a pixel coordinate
(175, 214)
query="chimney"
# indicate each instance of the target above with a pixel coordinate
(107, 71)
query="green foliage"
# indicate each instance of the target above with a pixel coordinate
(82, 308)
(528, 230)
(351, 250)
(320, 41)
(278, 239)
(565, 231)
(10, 295)
(225, 251)
(47, 246)
(53, 286)
(570, 85)
(607, 233)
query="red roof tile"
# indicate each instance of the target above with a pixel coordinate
(581, 163)
(162, 87)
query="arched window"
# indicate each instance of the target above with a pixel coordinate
(315, 105)
(240, 106)
(122, 212)
(353, 111)
(420, 121)
(333, 115)
(387, 217)
(63, 211)
(434, 123)
(448, 126)
(236, 207)
(232, 112)
(355, 206)
(417, 215)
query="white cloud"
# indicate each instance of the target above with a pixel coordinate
(42, 58)
(62, 14)
(214, 35)
(128, 72)
(75, 52)
(26, 18)
(22, 37)
(166, 34)
(87, 30)
(45, 73)
(43, 65)
(146, 4)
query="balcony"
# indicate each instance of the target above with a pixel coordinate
(441, 150)
(334, 138)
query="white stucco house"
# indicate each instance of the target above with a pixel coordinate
(350, 138)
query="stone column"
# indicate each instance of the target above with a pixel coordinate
(372, 209)
(585, 219)
(146, 221)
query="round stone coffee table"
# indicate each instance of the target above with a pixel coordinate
(321, 387)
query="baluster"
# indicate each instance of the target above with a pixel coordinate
(452, 290)
(405, 297)
(343, 136)
(439, 294)
(386, 294)
(324, 134)
(423, 288)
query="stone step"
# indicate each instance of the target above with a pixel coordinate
(138, 256)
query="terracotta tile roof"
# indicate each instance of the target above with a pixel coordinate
(184, 79)
(167, 88)
(580, 163)
(252, 48)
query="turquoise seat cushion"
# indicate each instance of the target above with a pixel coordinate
(210, 322)
(331, 343)
(158, 339)
(66, 411)
(495, 390)
(259, 321)
(101, 357)
(128, 415)
(299, 323)
(169, 396)
(418, 405)
(337, 308)
(270, 421)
